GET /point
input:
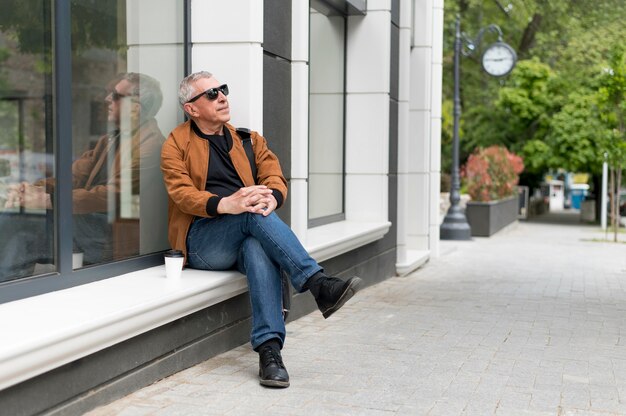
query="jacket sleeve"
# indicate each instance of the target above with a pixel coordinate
(140, 162)
(269, 172)
(189, 197)
(90, 200)
(94, 199)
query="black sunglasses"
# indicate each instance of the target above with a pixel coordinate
(211, 93)
(115, 96)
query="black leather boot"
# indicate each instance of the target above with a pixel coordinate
(272, 371)
(332, 293)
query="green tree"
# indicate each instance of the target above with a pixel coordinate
(547, 109)
(571, 138)
(519, 109)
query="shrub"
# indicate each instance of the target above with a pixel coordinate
(492, 173)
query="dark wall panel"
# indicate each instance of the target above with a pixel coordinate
(394, 80)
(393, 136)
(277, 108)
(277, 87)
(395, 12)
(277, 28)
(277, 116)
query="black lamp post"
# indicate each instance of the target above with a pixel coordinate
(497, 60)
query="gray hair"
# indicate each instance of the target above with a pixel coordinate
(149, 92)
(186, 90)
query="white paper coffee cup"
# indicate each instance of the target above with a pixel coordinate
(174, 261)
(77, 260)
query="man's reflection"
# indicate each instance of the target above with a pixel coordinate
(104, 176)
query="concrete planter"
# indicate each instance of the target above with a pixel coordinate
(487, 218)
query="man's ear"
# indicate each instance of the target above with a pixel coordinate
(190, 109)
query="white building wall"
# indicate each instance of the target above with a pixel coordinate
(405, 258)
(421, 37)
(234, 54)
(435, 125)
(422, 169)
(227, 39)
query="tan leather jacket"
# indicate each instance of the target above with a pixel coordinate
(185, 162)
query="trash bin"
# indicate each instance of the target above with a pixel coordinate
(578, 193)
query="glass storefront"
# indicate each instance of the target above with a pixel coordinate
(126, 61)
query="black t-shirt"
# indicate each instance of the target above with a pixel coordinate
(222, 178)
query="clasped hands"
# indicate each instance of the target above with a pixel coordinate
(27, 196)
(257, 199)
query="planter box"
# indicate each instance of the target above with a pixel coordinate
(487, 218)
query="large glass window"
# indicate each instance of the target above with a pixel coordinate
(121, 69)
(126, 61)
(326, 117)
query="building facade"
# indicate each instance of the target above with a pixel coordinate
(348, 95)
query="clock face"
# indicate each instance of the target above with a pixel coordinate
(499, 59)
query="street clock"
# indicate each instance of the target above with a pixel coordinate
(499, 59)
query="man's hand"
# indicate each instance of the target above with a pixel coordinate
(14, 195)
(257, 199)
(27, 196)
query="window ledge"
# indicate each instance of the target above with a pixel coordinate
(44, 332)
(331, 240)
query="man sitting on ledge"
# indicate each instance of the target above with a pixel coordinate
(221, 219)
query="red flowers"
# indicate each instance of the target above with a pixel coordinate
(492, 173)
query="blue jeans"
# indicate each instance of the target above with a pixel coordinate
(258, 247)
(93, 236)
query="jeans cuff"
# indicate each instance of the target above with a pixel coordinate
(266, 338)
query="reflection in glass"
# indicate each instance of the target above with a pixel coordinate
(26, 142)
(107, 177)
(326, 117)
(118, 83)
(126, 63)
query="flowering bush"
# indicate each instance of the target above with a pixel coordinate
(492, 173)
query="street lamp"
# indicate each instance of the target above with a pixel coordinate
(497, 60)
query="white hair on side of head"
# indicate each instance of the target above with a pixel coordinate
(148, 90)
(186, 90)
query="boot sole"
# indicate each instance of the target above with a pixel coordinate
(354, 284)
(274, 383)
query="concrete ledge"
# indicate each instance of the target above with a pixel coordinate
(44, 332)
(331, 240)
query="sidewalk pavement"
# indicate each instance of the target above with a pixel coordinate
(531, 321)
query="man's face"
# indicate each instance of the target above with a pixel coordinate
(213, 112)
(123, 90)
